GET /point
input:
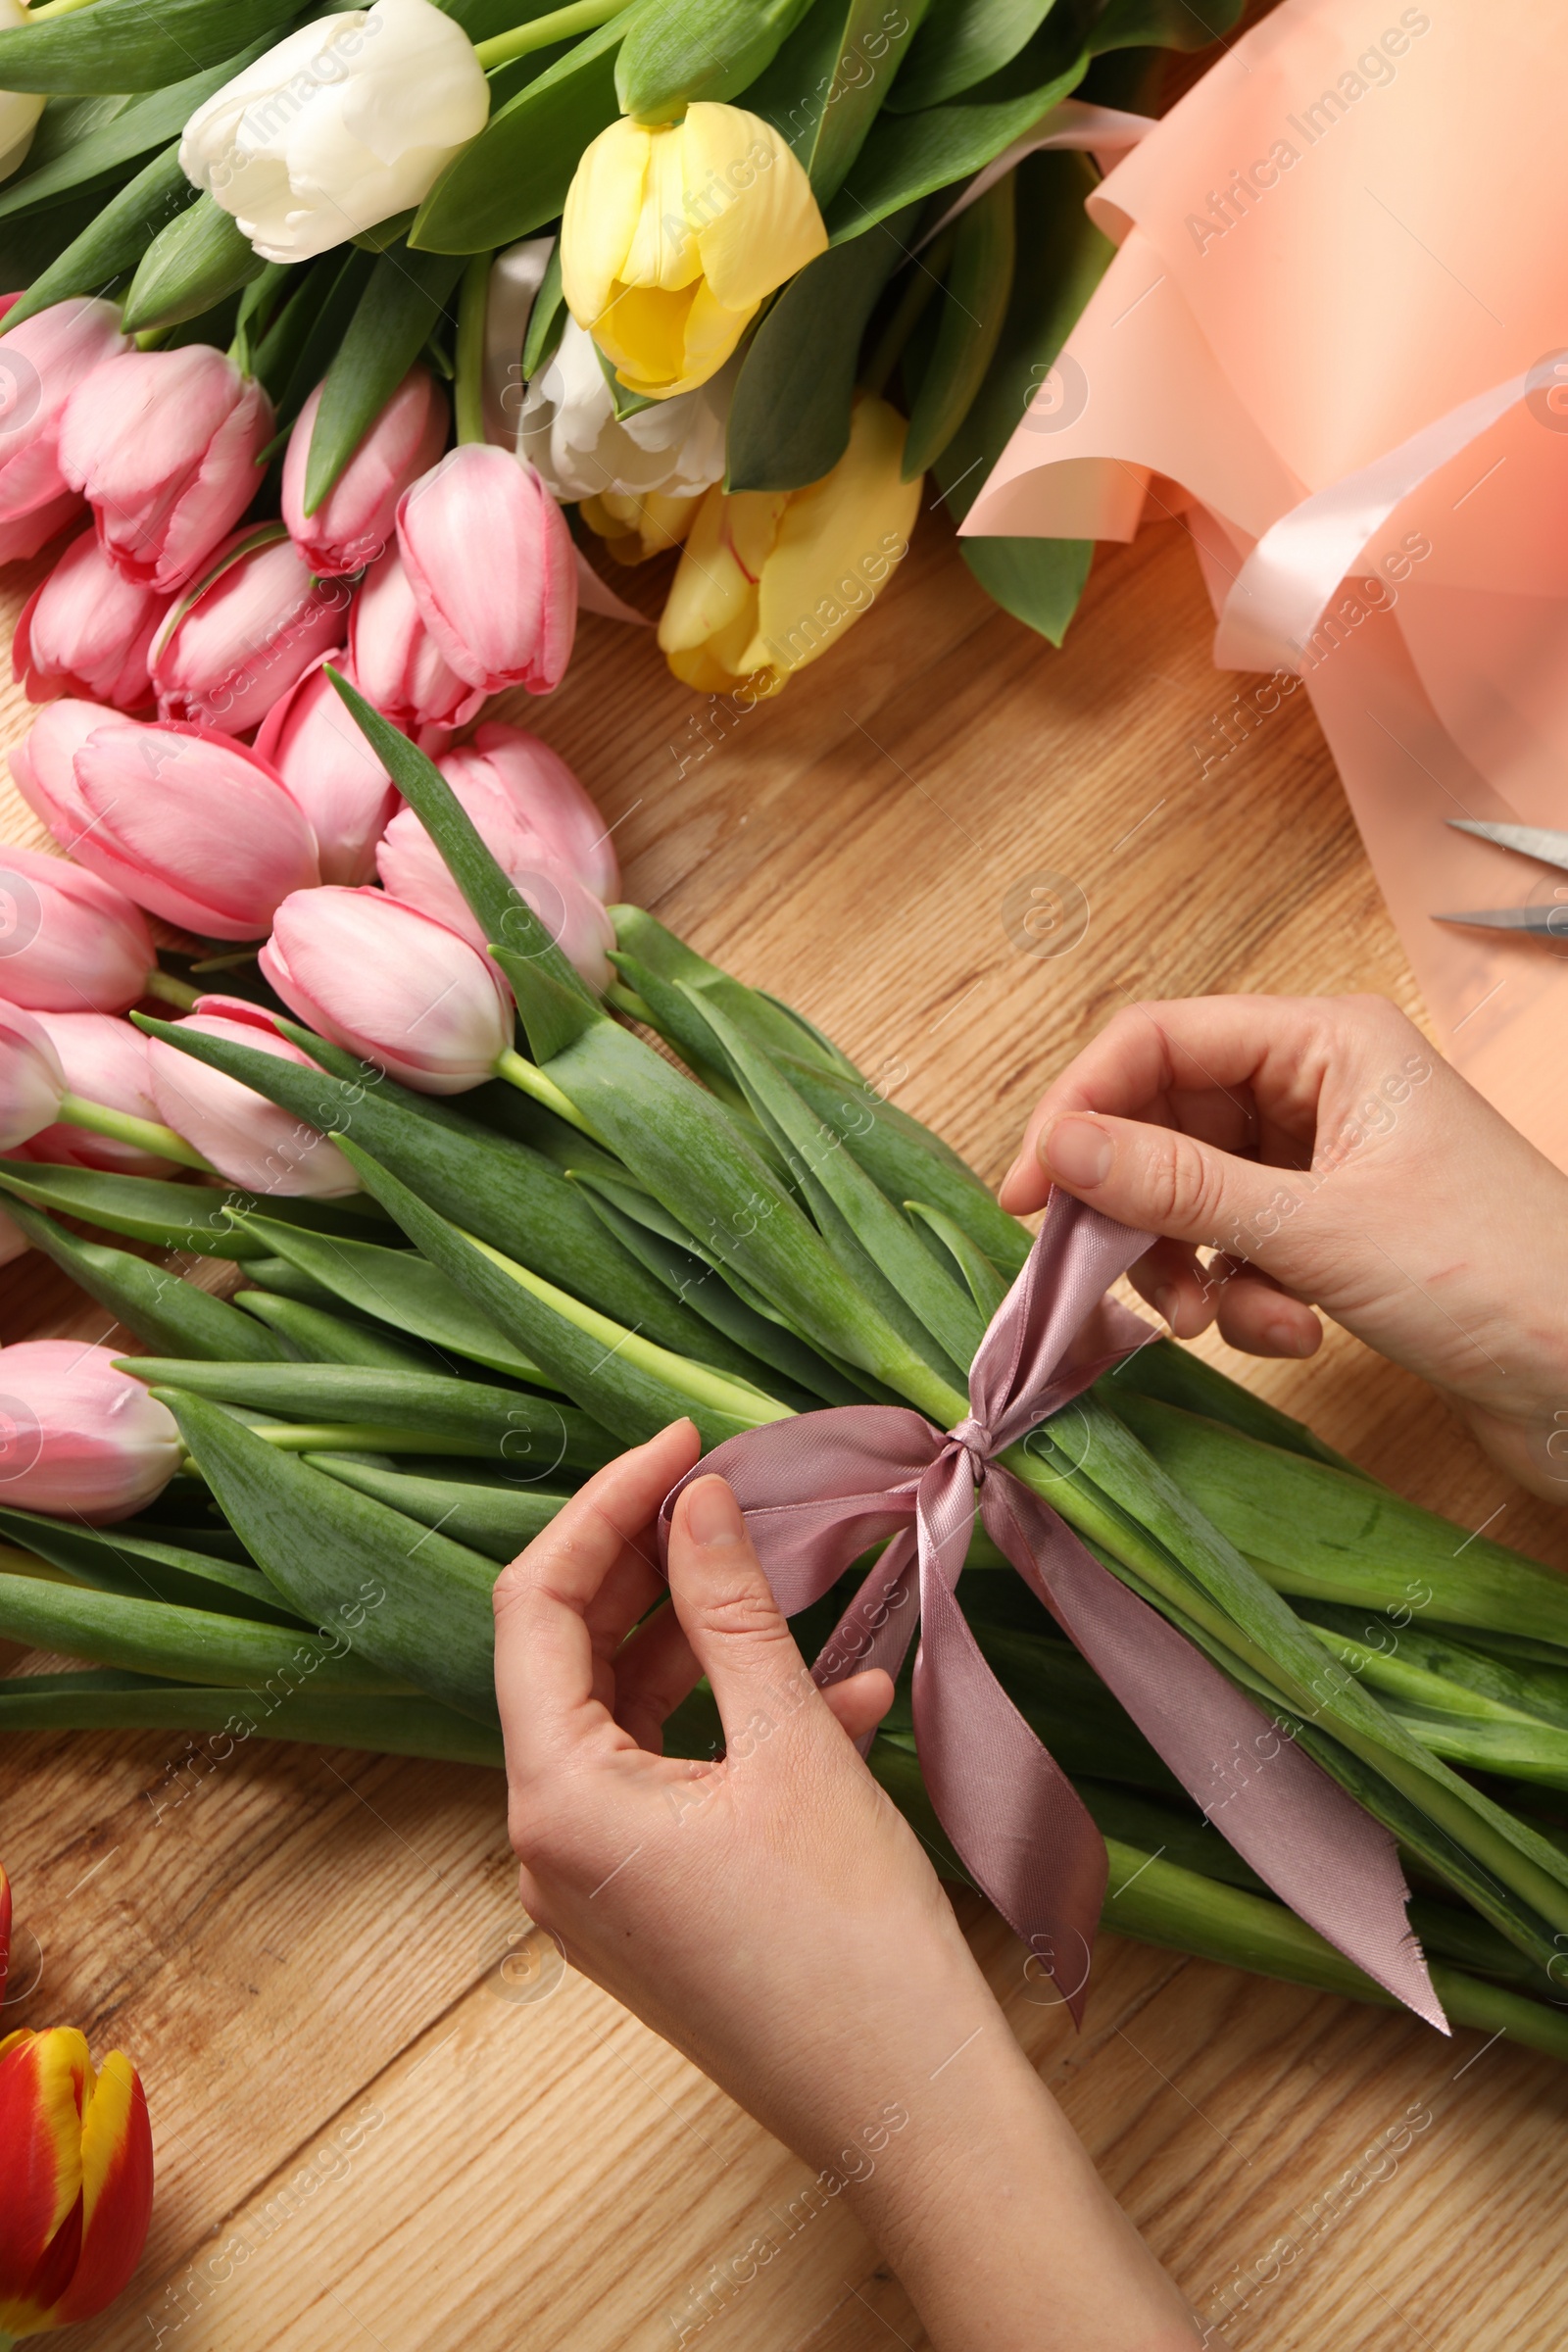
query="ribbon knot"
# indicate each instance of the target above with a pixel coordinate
(818, 1491)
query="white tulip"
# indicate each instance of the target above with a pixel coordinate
(19, 109)
(346, 122)
(566, 428)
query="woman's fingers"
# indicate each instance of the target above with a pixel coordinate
(1163, 1181)
(861, 1702)
(552, 1604)
(736, 1629)
(654, 1669)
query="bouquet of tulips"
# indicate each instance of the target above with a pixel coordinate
(670, 255)
(473, 1272)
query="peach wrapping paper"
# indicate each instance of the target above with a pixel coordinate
(1343, 278)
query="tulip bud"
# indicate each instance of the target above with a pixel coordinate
(88, 630)
(493, 570)
(13, 1242)
(69, 940)
(33, 1084)
(523, 775)
(344, 124)
(414, 870)
(79, 1437)
(77, 2171)
(252, 1142)
(672, 237)
(191, 825)
(41, 363)
(166, 445)
(568, 427)
(769, 579)
(104, 1062)
(19, 109)
(246, 634)
(354, 524)
(44, 762)
(332, 772)
(392, 985)
(397, 663)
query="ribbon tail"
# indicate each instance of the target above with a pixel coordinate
(1309, 1840)
(877, 1627)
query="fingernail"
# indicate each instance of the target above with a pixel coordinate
(1165, 1301)
(1079, 1152)
(712, 1514)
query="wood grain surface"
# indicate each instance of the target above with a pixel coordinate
(366, 2134)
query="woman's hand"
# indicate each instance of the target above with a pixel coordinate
(1330, 1157)
(771, 1914)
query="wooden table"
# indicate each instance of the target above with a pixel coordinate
(362, 2138)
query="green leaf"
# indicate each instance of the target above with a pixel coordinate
(401, 1288)
(547, 318)
(825, 86)
(985, 1285)
(497, 1520)
(406, 295)
(318, 1337)
(775, 1026)
(1162, 24)
(504, 1192)
(872, 1239)
(150, 123)
(305, 332)
(1176, 1375)
(154, 1636)
(174, 1216)
(698, 49)
(789, 420)
(114, 241)
(201, 256)
(162, 1311)
(116, 1702)
(974, 307)
(961, 43)
(404, 1596)
(627, 1384)
(1039, 581)
(126, 45)
(511, 1423)
(910, 156)
(513, 177)
(114, 1560)
(554, 1003)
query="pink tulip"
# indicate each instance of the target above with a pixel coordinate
(332, 772)
(44, 762)
(397, 663)
(41, 363)
(13, 1242)
(86, 630)
(78, 1436)
(191, 825)
(252, 1142)
(105, 1061)
(492, 567)
(166, 445)
(33, 1084)
(249, 634)
(546, 796)
(354, 524)
(68, 943)
(413, 868)
(390, 984)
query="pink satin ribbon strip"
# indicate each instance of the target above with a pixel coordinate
(820, 1490)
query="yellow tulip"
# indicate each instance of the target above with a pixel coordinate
(637, 525)
(769, 579)
(672, 237)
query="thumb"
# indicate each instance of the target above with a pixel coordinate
(727, 1607)
(1165, 1182)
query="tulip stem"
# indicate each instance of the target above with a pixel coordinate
(540, 33)
(468, 390)
(164, 985)
(528, 1079)
(147, 1134)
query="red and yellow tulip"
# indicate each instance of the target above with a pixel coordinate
(75, 2173)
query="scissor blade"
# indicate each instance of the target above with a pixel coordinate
(1545, 923)
(1531, 841)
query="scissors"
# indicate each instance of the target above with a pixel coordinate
(1530, 840)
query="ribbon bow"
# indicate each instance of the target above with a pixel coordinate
(817, 1491)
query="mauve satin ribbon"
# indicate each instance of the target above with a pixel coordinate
(818, 1490)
